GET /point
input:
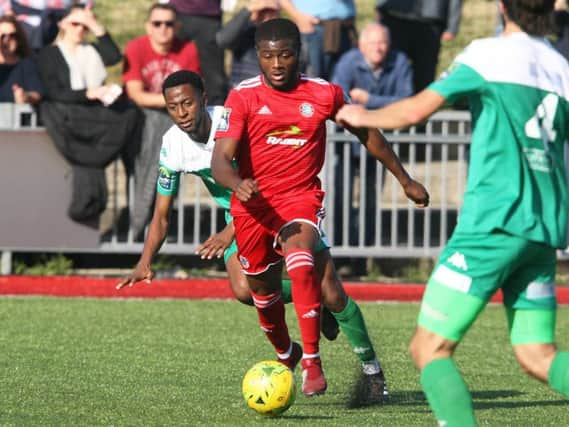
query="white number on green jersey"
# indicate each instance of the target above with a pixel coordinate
(540, 126)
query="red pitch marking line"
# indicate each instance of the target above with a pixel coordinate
(75, 286)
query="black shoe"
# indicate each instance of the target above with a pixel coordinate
(329, 325)
(370, 390)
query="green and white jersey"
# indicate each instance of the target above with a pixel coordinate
(181, 154)
(518, 91)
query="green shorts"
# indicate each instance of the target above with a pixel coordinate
(473, 266)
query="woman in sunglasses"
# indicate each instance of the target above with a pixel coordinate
(73, 70)
(87, 119)
(19, 78)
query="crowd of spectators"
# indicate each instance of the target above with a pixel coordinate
(45, 56)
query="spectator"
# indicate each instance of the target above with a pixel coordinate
(239, 36)
(82, 114)
(417, 28)
(19, 78)
(374, 75)
(327, 30)
(149, 60)
(562, 26)
(201, 20)
(39, 18)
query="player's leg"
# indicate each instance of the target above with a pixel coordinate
(469, 271)
(531, 308)
(445, 316)
(263, 268)
(298, 240)
(240, 289)
(237, 279)
(372, 388)
(270, 309)
(539, 358)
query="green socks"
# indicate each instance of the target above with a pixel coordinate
(286, 291)
(559, 373)
(351, 323)
(447, 393)
(353, 326)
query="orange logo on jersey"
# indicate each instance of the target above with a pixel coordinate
(292, 130)
(274, 138)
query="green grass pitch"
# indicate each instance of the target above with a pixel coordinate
(70, 362)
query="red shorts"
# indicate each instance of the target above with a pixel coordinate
(256, 232)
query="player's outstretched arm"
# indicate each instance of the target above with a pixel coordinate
(225, 174)
(156, 235)
(404, 113)
(216, 244)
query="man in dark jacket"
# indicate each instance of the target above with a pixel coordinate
(417, 28)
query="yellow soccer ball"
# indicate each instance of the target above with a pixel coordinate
(269, 388)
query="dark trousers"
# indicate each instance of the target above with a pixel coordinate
(202, 30)
(421, 42)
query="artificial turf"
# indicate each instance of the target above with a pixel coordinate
(70, 362)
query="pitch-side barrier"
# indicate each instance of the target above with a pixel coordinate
(367, 214)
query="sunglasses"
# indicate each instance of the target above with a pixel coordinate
(158, 24)
(8, 36)
(79, 24)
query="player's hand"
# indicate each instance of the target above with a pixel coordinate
(246, 190)
(447, 36)
(359, 96)
(415, 191)
(19, 94)
(306, 23)
(140, 273)
(214, 246)
(350, 115)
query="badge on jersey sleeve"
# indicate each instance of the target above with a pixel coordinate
(223, 124)
(165, 178)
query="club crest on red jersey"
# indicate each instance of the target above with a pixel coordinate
(244, 261)
(306, 109)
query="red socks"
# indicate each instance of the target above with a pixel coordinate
(270, 309)
(306, 295)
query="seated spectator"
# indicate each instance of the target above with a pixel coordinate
(374, 75)
(39, 18)
(239, 36)
(149, 59)
(87, 120)
(561, 16)
(19, 79)
(200, 21)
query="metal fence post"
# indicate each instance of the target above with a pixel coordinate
(6, 263)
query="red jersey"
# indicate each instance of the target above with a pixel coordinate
(142, 63)
(282, 135)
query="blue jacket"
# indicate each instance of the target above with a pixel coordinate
(394, 82)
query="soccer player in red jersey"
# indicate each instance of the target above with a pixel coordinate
(274, 125)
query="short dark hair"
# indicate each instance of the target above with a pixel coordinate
(535, 17)
(278, 29)
(162, 6)
(183, 77)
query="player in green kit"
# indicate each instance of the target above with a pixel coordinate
(187, 148)
(515, 206)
